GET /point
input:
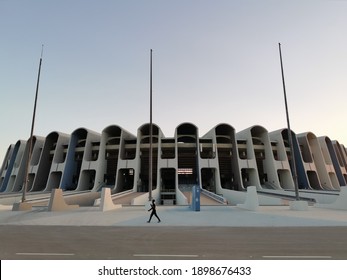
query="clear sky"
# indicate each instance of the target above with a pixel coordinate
(214, 61)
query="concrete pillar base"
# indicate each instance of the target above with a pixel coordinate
(22, 206)
(298, 205)
(251, 202)
(57, 202)
(106, 203)
(6, 207)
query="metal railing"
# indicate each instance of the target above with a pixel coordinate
(214, 196)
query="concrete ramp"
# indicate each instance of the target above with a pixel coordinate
(339, 204)
(85, 198)
(82, 199)
(5, 207)
(204, 199)
(126, 199)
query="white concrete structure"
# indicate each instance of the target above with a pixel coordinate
(222, 162)
(339, 204)
(330, 162)
(113, 150)
(313, 161)
(257, 163)
(7, 166)
(106, 203)
(54, 156)
(251, 203)
(80, 162)
(218, 150)
(282, 158)
(57, 202)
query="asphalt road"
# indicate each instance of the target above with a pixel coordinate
(195, 243)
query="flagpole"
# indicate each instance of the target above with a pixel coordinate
(26, 181)
(290, 139)
(150, 179)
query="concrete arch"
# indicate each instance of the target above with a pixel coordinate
(7, 166)
(208, 162)
(187, 132)
(57, 144)
(341, 160)
(80, 168)
(37, 145)
(144, 133)
(282, 158)
(108, 157)
(344, 153)
(45, 162)
(264, 158)
(314, 161)
(143, 136)
(246, 160)
(112, 144)
(331, 162)
(187, 151)
(128, 163)
(15, 171)
(257, 167)
(228, 175)
(52, 151)
(303, 181)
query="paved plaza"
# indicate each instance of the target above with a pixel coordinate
(221, 216)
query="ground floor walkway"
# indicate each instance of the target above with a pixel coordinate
(224, 216)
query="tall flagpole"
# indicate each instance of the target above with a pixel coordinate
(26, 181)
(150, 179)
(290, 139)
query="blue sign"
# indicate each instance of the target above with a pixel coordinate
(196, 198)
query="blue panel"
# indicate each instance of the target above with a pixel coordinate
(196, 198)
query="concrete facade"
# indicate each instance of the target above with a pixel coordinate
(221, 162)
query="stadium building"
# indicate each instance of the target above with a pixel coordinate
(223, 163)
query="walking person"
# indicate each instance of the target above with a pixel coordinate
(154, 212)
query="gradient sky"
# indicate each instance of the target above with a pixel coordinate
(214, 61)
